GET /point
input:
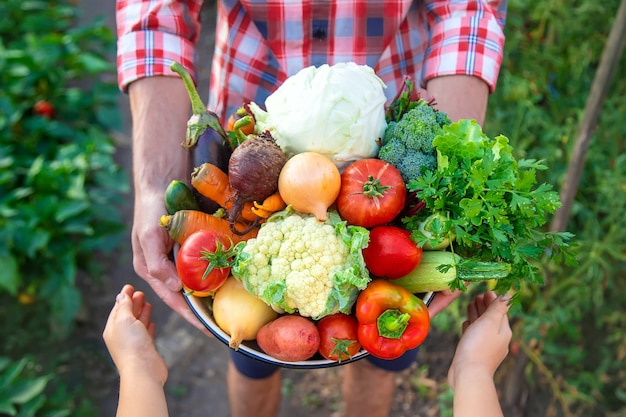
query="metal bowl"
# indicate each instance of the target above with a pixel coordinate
(201, 309)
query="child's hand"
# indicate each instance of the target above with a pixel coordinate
(129, 336)
(486, 337)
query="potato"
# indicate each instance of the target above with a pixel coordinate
(289, 338)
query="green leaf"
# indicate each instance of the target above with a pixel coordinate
(32, 406)
(22, 391)
(94, 64)
(10, 277)
(35, 241)
(65, 305)
(471, 207)
(7, 408)
(9, 375)
(519, 202)
(463, 139)
(4, 362)
(70, 208)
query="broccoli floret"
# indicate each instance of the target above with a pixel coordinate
(393, 152)
(389, 132)
(442, 118)
(408, 143)
(413, 162)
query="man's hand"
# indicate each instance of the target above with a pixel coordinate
(441, 301)
(160, 108)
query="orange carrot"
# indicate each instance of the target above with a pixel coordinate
(210, 181)
(183, 223)
(269, 206)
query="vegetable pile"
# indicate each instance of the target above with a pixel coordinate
(322, 237)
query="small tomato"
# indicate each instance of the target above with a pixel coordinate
(44, 108)
(338, 337)
(204, 261)
(391, 253)
(372, 193)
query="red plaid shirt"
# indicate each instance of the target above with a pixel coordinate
(258, 44)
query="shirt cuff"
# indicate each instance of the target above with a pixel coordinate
(467, 46)
(149, 53)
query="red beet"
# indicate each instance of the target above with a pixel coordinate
(253, 172)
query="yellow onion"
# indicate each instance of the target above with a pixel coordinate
(239, 313)
(310, 182)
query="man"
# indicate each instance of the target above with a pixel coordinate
(454, 49)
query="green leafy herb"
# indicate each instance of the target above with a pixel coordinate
(491, 203)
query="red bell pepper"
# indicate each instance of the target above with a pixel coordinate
(391, 319)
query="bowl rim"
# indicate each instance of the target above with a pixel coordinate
(251, 350)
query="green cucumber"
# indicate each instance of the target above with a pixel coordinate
(178, 196)
(430, 276)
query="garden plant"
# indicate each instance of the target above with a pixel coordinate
(59, 189)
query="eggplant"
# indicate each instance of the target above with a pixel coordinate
(210, 148)
(206, 137)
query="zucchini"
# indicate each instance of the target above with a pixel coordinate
(427, 276)
(178, 196)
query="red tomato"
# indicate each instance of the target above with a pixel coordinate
(372, 193)
(203, 261)
(44, 108)
(391, 253)
(338, 337)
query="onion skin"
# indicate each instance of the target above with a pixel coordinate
(310, 183)
(239, 313)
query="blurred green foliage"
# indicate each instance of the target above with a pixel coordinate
(60, 190)
(59, 183)
(575, 324)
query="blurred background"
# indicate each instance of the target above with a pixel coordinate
(66, 210)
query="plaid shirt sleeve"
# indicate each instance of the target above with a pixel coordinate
(152, 33)
(466, 37)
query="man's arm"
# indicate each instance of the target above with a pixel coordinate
(150, 35)
(160, 109)
(460, 96)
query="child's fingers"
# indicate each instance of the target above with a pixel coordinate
(122, 299)
(472, 312)
(497, 311)
(139, 299)
(465, 325)
(144, 315)
(483, 301)
(128, 290)
(121, 308)
(488, 297)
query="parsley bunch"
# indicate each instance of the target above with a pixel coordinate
(491, 203)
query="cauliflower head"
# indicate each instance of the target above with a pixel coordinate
(299, 264)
